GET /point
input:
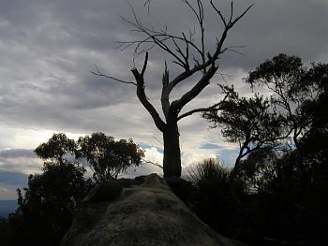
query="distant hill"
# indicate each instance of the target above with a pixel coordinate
(7, 207)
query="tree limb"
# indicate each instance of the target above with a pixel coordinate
(153, 163)
(144, 65)
(100, 74)
(165, 102)
(198, 110)
(143, 99)
(195, 90)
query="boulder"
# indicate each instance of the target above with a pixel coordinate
(149, 214)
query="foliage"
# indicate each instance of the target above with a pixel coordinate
(218, 198)
(292, 86)
(56, 148)
(275, 197)
(293, 182)
(247, 121)
(108, 157)
(47, 205)
(45, 209)
(209, 170)
(49, 202)
(283, 203)
(258, 168)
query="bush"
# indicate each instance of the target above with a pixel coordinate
(218, 198)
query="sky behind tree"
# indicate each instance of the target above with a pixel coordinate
(48, 49)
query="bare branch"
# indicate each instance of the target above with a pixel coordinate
(219, 13)
(195, 90)
(165, 102)
(235, 51)
(154, 37)
(152, 163)
(185, 56)
(199, 14)
(242, 15)
(143, 99)
(100, 74)
(231, 11)
(216, 54)
(172, 45)
(144, 65)
(200, 110)
(147, 4)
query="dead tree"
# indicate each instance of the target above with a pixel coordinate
(190, 53)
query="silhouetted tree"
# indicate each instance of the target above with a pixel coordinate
(56, 148)
(46, 207)
(285, 185)
(190, 52)
(284, 76)
(107, 157)
(259, 168)
(247, 121)
(315, 140)
(290, 187)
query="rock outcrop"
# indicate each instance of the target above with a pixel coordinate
(148, 214)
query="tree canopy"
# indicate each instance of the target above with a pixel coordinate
(294, 110)
(291, 86)
(46, 206)
(246, 121)
(56, 148)
(107, 157)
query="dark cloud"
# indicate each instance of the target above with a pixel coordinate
(294, 27)
(49, 47)
(21, 161)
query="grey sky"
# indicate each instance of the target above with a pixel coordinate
(49, 47)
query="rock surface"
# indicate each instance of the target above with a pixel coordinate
(142, 215)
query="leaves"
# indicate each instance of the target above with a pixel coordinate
(108, 157)
(56, 147)
(247, 121)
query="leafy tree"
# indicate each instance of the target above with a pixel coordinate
(259, 168)
(56, 148)
(46, 207)
(299, 98)
(192, 54)
(290, 187)
(285, 185)
(285, 77)
(247, 121)
(316, 139)
(295, 108)
(108, 157)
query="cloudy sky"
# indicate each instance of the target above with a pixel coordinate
(49, 47)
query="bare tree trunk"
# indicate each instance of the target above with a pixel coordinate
(192, 58)
(172, 154)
